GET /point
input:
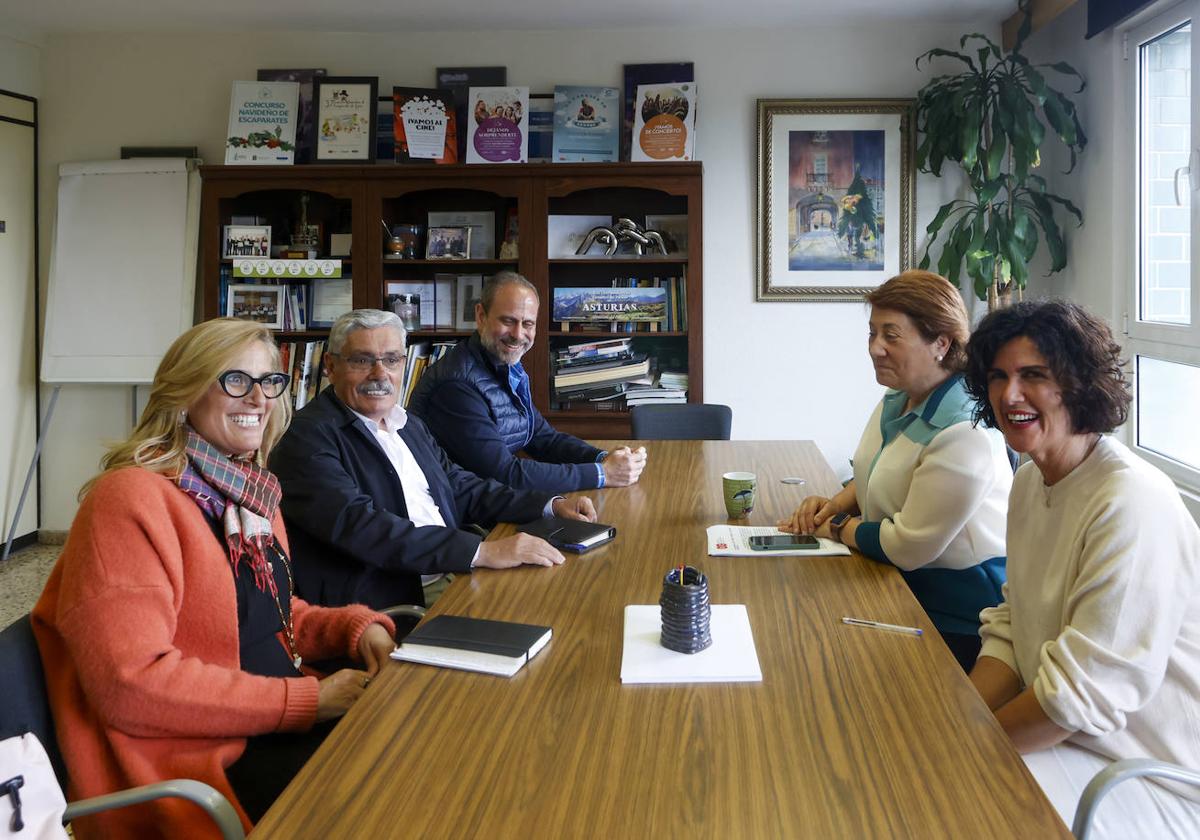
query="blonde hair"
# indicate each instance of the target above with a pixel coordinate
(189, 368)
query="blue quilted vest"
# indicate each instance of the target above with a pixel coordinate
(469, 362)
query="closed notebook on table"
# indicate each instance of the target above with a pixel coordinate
(570, 534)
(473, 644)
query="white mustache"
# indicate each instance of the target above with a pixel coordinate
(383, 386)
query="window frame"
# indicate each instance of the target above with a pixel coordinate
(1178, 343)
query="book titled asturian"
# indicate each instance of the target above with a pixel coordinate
(605, 304)
(262, 123)
(586, 123)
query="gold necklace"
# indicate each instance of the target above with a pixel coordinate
(288, 629)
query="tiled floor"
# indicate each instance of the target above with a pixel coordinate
(22, 577)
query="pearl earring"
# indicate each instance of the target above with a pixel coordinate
(937, 359)
(183, 416)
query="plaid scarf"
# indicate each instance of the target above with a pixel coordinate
(243, 497)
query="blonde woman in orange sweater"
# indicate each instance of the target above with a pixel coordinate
(172, 642)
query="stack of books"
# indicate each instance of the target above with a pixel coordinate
(661, 389)
(597, 372)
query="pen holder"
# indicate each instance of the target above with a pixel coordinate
(686, 612)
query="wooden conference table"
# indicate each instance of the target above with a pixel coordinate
(853, 732)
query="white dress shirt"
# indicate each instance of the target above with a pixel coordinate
(422, 509)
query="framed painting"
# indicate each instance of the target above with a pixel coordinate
(836, 196)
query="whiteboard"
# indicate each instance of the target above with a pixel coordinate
(123, 268)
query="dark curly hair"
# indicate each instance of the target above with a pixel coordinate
(1079, 349)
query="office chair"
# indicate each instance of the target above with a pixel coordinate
(26, 708)
(1113, 775)
(685, 421)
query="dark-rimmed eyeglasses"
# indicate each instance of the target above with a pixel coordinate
(365, 361)
(238, 383)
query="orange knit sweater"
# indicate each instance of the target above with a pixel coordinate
(137, 629)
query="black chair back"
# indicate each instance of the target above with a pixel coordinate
(688, 421)
(26, 707)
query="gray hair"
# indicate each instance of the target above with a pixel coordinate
(363, 319)
(504, 278)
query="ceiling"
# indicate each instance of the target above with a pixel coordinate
(47, 17)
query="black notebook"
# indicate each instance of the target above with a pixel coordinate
(570, 534)
(473, 644)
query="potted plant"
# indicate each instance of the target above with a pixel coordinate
(991, 120)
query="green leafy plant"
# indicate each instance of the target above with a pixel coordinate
(991, 120)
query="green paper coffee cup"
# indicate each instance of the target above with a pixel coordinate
(740, 489)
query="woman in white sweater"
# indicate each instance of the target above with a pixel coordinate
(930, 489)
(1094, 655)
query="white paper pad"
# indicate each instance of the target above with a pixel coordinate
(731, 658)
(734, 541)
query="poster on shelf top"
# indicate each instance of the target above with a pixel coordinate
(664, 125)
(648, 74)
(586, 123)
(305, 139)
(262, 123)
(499, 129)
(541, 127)
(424, 125)
(459, 81)
(344, 118)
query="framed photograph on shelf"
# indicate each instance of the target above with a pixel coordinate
(482, 225)
(262, 304)
(836, 196)
(246, 241)
(469, 290)
(328, 300)
(344, 118)
(674, 230)
(448, 243)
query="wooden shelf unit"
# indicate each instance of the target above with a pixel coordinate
(354, 199)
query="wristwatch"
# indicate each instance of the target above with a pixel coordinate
(837, 523)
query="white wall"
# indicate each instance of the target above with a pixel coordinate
(20, 60)
(790, 370)
(1096, 250)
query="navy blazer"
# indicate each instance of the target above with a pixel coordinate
(466, 400)
(346, 517)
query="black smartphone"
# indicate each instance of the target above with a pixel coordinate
(784, 542)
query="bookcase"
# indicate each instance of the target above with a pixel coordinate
(364, 200)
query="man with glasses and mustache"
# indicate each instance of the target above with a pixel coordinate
(372, 503)
(477, 402)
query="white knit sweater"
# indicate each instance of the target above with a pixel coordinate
(1102, 606)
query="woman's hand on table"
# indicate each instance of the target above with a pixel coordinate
(375, 646)
(338, 692)
(811, 514)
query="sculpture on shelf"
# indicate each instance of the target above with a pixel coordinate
(624, 231)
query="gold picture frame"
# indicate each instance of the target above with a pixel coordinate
(836, 196)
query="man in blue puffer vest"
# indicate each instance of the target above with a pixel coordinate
(477, 403)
